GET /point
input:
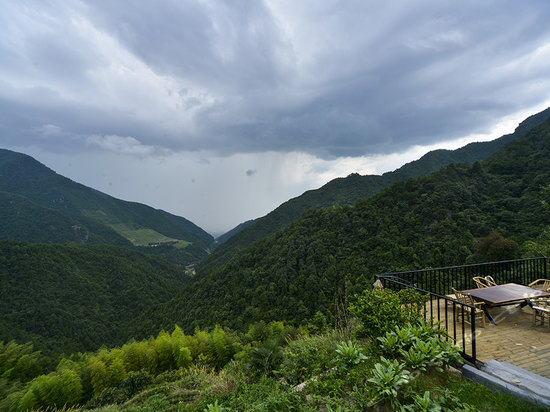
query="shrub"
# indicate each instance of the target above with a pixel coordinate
(381, 310)
(388, 377)
(307, 357)
(348, 355)
(135, 382)
(265, 359)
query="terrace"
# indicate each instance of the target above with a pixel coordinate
(512, 337)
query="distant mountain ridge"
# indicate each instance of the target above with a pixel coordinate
(43, 206)
(348, 190)
(312, 267)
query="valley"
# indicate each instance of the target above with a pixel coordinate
(112, 304)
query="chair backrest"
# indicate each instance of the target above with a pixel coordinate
(463, 297)
(542, 284)
(481, 282)
(490, 281)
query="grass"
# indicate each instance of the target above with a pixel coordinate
(146, 237)
(138, 236)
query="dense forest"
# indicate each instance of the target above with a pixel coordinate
(431, 221)
(70, 298)
(348, 190)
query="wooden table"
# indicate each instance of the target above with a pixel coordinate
(507, 294)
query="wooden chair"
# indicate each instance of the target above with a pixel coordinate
(542, 284)
(469, 300)
(541, 312)
(481, 282)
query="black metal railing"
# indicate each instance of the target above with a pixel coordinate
(457, 318)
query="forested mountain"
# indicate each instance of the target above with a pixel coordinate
(39, 205)
(431, 221)
(346, 191)
(223, 238)
(73, 297)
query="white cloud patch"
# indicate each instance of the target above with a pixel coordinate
(48, 130)
(121, 145)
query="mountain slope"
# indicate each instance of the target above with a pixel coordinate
(315, 263)
(69, 298)
(346, 191)
(72, 212)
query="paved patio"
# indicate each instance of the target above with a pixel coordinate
(514, 339)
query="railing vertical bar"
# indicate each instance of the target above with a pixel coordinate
(446, 315)
(454, 321)
(463, 332)
(473, 329)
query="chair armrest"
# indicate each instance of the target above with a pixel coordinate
(541, 309)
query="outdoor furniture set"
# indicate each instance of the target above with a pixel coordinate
(488, 295)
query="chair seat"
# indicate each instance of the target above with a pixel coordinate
(469, 300)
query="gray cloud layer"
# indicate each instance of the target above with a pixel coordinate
(324, 77)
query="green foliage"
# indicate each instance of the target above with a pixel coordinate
(135, 382)
(423, 403)
(358, 386)
(541, 245)
(420, 346)
(388, 376)
(69, 298)
(308, 356)
(58, 389)
(18, 362)
(348, 355)
(115, 375)
(416, 359)
(214, 407)
(381, 310)
(495, 247)
(265, 359)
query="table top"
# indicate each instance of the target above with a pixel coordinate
(509, 292)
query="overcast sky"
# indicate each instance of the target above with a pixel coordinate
(219, 111)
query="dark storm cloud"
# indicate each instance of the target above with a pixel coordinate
(328, 78)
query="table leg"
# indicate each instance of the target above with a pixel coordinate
(491, 319)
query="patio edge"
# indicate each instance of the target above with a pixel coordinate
(504, 377)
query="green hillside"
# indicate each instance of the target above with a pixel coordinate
(48, 225)
(346, 191)
(73, 298)
(317, 261)
(44, 206)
